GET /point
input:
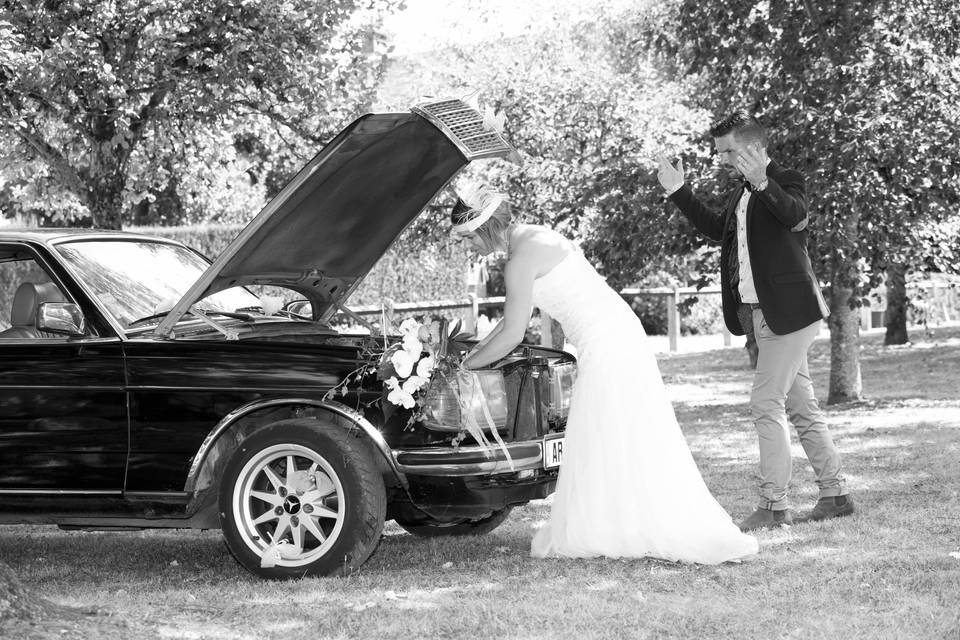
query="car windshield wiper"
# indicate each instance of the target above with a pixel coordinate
(154, 316)
(236, 315)
(228, 333)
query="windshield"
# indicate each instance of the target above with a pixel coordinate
(136, 279)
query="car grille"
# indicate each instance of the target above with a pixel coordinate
(464, 126)
(526, 400)
(524, 392)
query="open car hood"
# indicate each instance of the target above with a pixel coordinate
(331, 223)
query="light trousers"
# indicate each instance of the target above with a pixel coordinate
(782, 390)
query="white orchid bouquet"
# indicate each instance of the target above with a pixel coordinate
(404, 367)
(425, 355)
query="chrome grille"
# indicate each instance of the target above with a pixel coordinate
(464, 126)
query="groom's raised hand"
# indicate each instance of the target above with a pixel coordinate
(670, 177)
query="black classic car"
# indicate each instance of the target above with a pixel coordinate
(142, 386)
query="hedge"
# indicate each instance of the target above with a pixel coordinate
(408, 272)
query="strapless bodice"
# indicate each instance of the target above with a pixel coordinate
(577, 296)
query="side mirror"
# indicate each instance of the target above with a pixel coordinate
(64, 318)
(302, 308)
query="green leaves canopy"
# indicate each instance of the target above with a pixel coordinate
(98, 95)
(861, 96)
(588, 127)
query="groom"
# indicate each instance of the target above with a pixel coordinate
(769, 287)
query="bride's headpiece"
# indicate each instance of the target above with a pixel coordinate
(474, 206)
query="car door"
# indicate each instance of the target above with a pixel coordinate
(63, 417)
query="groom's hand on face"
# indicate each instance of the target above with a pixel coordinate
(670, 177)
(752, 163)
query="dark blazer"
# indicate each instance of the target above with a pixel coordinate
(777, 217)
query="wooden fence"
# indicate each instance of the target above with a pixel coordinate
(472, 306)
(931, 303)
(940, 302)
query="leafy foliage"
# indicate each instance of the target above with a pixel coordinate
(106, 104)
(587, 129)
(409, 272)
(860, 95)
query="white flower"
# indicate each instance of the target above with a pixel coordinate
(425, 366)
(403, 362)
(409, 327)
(413, 346)
(398, 395)
(413, 383)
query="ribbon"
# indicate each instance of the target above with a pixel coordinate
(472, 382)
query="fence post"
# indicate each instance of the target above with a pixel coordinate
(472, 314)
(866, 318)
(673, 319)
(727, 336)
(943, 302)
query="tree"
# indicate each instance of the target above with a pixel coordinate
(588, 131)
(102, 100)
(862, 98)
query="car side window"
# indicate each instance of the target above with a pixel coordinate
(24, 287)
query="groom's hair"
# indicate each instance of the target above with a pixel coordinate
(742, 125)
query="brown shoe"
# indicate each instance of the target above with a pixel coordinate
(826, 508)
(766, 519)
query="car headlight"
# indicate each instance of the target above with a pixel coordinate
(562, 377)
(442, 404)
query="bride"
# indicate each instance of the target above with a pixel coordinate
(628, 487)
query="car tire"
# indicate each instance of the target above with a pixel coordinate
(434, 529)
(302, 498)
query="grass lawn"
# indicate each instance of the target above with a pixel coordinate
(890, 571)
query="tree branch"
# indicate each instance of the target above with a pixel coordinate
(53, 158)
(279, 119)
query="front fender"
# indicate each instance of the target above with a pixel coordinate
(355, 418)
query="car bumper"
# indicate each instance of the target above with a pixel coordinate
(471, 461)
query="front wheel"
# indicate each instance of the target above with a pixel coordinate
(433, 529)
(301, 498)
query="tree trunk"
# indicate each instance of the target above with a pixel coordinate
(105, 179)
(895, 317)
(845, 382)
(105, 201)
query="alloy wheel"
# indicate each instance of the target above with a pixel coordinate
(288, 503)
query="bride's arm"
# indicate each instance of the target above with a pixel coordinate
(487, 338)
(519, 274)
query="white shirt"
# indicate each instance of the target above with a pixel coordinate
(748, 292)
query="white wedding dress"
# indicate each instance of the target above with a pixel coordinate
(628, 487)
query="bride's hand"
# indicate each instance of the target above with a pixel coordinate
(463, 363)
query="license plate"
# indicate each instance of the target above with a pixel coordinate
(552, 452)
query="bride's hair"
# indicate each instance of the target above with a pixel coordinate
(491, 231)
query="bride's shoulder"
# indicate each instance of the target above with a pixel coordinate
(535, 246)
(535, 235)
